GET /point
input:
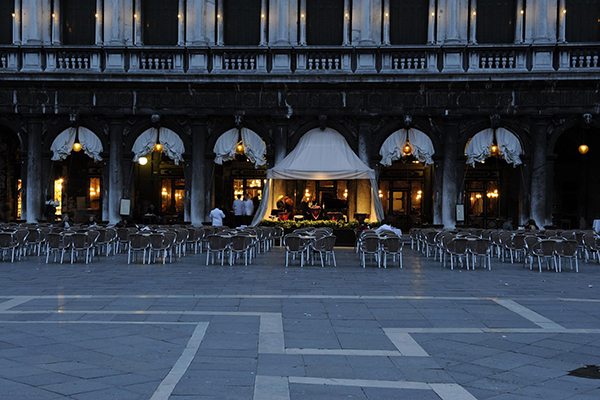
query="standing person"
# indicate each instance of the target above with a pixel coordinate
(248, 209)
(217, 216)
(50, 211)
(238, 210)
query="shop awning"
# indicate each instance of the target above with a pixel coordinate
(509, 146)
(320, 155)
(63, 144)
(172, 144)
(254, 147)
(422, 147)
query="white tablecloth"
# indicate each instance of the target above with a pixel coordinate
(596, 225)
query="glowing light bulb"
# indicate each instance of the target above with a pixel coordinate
(76, 147)
(158, 147)
(143, 161)
(583, 149)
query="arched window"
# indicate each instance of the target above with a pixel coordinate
(408, 21)
(324, 22)
(242, 22)
(78, 21)
(6, 23)
(496, 21)
(583, 20)
(160, 22)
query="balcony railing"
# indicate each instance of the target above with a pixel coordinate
(309, 60)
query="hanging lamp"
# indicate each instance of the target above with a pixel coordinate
(76, 144)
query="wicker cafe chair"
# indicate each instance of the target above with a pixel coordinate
(138, 243)
(567, 249)
(392, 246)
(162, 244)
(325, 246)
(458, 247)
(80, 242)
(240, 245)
(544, 249)
(216, 245)
(8, 244)
(55, 243)
(369, 245)
(481, 248)
(294, 245)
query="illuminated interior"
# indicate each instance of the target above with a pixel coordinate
(19, 198)
(95, 193)
(58, 192)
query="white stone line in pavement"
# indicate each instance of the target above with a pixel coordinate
(164, 390)
(344, 352)
(531, 315)
(102, 322)
(15, 302)
(405, 344)
(491, 330)
(270, 337)
(271, 388)
(359, 383)
(451, 391)
(446, 391)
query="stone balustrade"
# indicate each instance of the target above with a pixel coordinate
(396, 60)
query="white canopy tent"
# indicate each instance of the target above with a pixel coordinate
(320, 155)
(63, 144)
(422, 147)
(254, 147)
(509, 146)
(172, 144)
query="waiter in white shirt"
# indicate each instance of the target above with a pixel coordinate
(238, 210)
(217, 217)
(248, 209)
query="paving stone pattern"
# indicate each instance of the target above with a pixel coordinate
(109, 330)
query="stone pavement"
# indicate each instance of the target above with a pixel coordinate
(187, 331)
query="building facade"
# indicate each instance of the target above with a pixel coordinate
(122, 69)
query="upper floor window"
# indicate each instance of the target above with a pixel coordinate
(583, 20)
(324, 22)
(6, 23)
(242, 22)
(78, 21)
(160, 22)
(496, 21)
(408, 21)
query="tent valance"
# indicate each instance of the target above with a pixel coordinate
(63, 144)
(320, 155)
(509, 146)
(422, 147)
(254, 147)
(172, 144)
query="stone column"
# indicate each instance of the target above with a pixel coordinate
(115, 177)
(55, 25)
(34, 178)
(550, 189)
(438, 189)
(36, 20)
(99, 22)
(363, 186)
(449, 184)
(181, 23)
(198, 187)
(364, 142)
(525, 192)
(538, 173)
(541, 21)
(17, 21)
(520, 22)
(453, 19)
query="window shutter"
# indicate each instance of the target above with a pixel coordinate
(242, 22)
(408, 21)
(160, 22)
(78, 22)
(325, 22)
